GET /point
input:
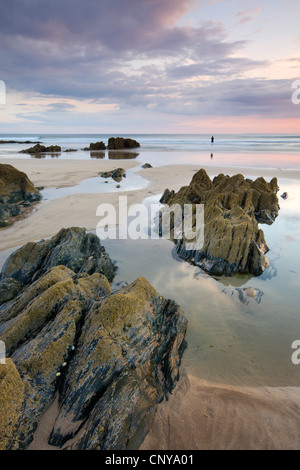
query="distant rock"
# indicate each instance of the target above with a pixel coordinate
(71, 150)
(18, 142)
(17, 193)
(284, 195)
(110, 357)
(233, 206)
(96, 146)
(147, 165)
(121, 143)
(42, 149)
(116, 175)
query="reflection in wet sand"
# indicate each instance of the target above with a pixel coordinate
(44, 155)
(121, 155)
(99, 154)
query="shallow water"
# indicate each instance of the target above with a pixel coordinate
(232, 338)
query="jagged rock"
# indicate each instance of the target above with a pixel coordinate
(116, 175)
(233, 206)
(147, 165)
(121, 143)
(38, 148)
(96, 146)
(136, 337)
(73, 247)
(111, 357)
(17, 193)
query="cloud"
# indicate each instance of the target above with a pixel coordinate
(126, 56)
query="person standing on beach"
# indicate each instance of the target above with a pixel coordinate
(212, 139)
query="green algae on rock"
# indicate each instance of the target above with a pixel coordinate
(233, 206)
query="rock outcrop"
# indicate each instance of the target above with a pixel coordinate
(17, 193)
(110, 357)
(233, 206)
(119, 143)
(38, 148)
(96, 146)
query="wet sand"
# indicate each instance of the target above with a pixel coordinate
(206, 416)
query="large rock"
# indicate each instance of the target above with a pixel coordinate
(109, 357)
(17, 193)
(119, 143)
(73, 247)
(96, 146)
(38, 148)
(233, 206)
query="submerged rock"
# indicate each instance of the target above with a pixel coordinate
(121, 143)
(17, 193)
(110, 357)
(42, 149)
(233, 206)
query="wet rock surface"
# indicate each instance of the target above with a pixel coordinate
(17, 194)
(110, 357)
(233, 207)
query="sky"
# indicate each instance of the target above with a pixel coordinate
(149, 66)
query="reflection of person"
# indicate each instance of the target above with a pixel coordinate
(212, 139)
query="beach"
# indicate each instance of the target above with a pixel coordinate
(233, 393)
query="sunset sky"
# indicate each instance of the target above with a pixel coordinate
(149, 66)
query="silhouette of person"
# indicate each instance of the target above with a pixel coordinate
(212, 139)
(211, 156)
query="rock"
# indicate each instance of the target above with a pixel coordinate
(120, 143)
(16, 193)
(18, 142)
(110, 357)
(9, 288)
(42, 149)
(233, 206)
(284, 195)
(72, 247)
(12, 391)
(147, 165)
(117, 174)
(71, 150)
(114, 388)
(96, 146)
